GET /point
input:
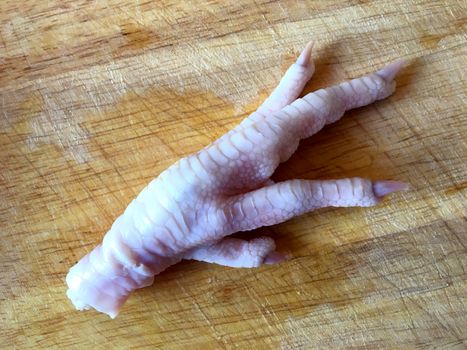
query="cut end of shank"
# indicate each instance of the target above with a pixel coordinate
(100, 304)
(99, 294)
(100, 282)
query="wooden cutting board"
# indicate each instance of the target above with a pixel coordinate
(98, 97)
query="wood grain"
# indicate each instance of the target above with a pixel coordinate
(98, 97)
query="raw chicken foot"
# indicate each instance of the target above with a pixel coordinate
(190, 209)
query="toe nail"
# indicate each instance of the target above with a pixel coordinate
(383, 188)
(305, 57)
(389, 72)
(275, 258)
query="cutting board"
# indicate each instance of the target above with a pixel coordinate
(98, 97)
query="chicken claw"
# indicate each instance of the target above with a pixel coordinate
(188, 211)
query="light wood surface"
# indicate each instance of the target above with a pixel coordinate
(98, 97)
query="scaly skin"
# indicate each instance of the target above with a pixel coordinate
(187, 212)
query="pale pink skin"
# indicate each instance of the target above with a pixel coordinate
(190, 209)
